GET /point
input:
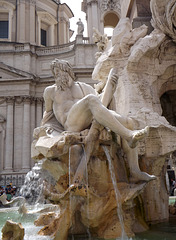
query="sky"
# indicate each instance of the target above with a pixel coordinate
(75, 6)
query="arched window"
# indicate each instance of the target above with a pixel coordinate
(6, 14)
(46, 28)
(110, 22)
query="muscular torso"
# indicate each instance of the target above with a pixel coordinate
(62, 101)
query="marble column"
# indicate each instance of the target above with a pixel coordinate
(51, 35)
(62, 30)
(18, 133)
(32, 117)
(39, 31)
(32, 22)
(21, 21)
(26, 156)
(8, 164)
(39, 112)
(93, 20)
(2, 139)
(10, 25)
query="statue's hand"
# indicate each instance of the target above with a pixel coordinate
(114, 81)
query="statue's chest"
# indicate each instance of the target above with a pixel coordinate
(68, 95)
(62, 96)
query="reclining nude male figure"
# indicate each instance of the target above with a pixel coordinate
(75, 104)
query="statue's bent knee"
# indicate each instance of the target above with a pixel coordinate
(92, 100)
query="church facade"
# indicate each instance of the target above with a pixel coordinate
(32, 34)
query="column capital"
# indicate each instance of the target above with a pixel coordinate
(19, 100)
(91, 2)
(10, 99)
(33, 2)
(39, 100)
(27, 99)
(63, 19)
(2, 100)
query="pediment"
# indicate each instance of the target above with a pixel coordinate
(8, 72)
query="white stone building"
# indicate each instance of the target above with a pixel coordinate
(32, 34)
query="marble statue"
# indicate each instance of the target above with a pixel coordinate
(100, 40)
(85, 130)
(74, 105)
(76, 115)
(80, 29)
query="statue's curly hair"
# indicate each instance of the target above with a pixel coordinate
(64, 66)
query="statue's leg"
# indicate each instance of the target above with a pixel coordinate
(107, 118)
(75, 154)
(91, 106)
(136, 174)
(78, 163)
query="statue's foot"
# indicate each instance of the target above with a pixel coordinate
(142, 176)
(138, 135)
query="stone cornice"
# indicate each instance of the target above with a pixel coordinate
(20, 99)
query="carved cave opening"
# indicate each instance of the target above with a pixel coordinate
(168, 104)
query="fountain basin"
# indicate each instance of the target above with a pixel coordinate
(162, 231)
(26, 220)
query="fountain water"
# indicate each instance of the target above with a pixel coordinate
(117, 193)
(32, 187)
(87, 184)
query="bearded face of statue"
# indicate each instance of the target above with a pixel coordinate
(62, 79)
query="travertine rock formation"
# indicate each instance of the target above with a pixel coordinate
(146, 70)
(12, 230)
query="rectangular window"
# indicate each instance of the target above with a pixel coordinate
(4, 29)
(43, 37)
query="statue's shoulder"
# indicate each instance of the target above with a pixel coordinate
(49, 88)
(48, 92)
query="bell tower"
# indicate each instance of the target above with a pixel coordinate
(101, 14)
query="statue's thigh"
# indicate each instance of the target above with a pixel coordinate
(79, 116)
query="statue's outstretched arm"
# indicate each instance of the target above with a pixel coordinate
(48, 100)
(109, 88)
